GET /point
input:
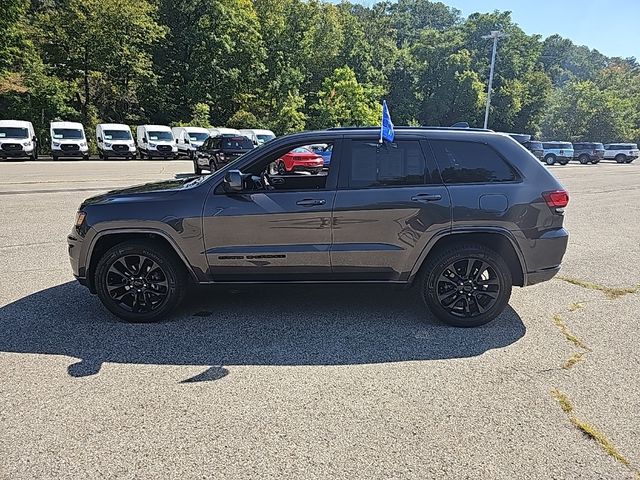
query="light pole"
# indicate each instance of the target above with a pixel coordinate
(495, 34)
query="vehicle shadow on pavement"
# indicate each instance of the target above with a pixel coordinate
(258, 325)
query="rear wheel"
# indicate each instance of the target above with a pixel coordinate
(196, 168)
(550, 159)
(55, 157)
(621, 158)
(212, 166)
(85, 157)
(281, 168)
(466, 285)
(140, 282)
(584, 159)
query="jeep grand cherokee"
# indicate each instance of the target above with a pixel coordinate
(462, 214)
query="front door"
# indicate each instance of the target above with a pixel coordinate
(390, 203)
(279, 234)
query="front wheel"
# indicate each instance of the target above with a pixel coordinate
(584, 159)
(621, 158)
(466, 285)
(550, 159)
(140, 282)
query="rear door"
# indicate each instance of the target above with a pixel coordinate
(390, 203)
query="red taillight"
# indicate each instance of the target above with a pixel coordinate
(556, 199)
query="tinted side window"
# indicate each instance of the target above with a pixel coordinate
(375, 165)
(470, 162)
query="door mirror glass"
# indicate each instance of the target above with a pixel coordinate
(233, 181)
(99, 140)
(144, 139)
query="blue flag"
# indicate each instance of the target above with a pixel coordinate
(386, 131)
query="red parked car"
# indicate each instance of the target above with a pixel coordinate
(301, 158)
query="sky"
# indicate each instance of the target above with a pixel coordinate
(612, 26)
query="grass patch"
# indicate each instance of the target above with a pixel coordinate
(557, 319)
(591, 431)
(576, 306)
(610, 292)
(563, 400)
(575, 358)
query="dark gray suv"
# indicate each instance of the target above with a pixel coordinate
(463, 214)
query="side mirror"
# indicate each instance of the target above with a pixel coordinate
(144, 139)
(35, 139)
(99, 140)
(186, 140)
(176, 140)
(233, 181)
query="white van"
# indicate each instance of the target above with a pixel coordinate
(156, 141)
(68, 140)
(115, 140)
(258, 136)
(189, 139)
(18, 140)
(224, 132)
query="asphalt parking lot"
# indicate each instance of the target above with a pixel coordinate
(316, 382)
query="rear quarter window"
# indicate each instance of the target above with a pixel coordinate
(471, 162)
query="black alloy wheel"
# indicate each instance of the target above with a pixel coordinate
(138, 282)
(466, 286)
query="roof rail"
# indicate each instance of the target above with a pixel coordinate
(423, 127)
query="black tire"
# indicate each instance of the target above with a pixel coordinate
(32, 157)
(116, 267)
(482, 299)
(196, 168)
(141, 155)
(55, 157)
(282, 169)
(550, 159)
(85, 157)
(621, 158)
(212, 166)
(584, 159)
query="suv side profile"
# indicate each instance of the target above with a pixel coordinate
(621, 152)
(462, 214)
(588, 152)
(560, 152)
(218, 150)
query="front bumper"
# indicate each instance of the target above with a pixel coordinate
(119, 153)
(15, 153)
(70, 153)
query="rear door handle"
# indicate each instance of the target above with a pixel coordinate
(309, 202)
(426, 197)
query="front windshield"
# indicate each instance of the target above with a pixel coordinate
(117, 135)
(265, 138)
(198, 136)
(165, 136)
(13, 132)
(67, 134)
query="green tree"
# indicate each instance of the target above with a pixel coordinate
(102, 49)
(242, 119)
(345, 102)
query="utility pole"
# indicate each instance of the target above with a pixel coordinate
(495, 34)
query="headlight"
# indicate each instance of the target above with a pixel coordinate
(132, 144)
(80, 216)
(108, 145)
(56, 144)
(152, 145)
(83, 144)
(26, 144)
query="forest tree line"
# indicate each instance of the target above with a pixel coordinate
(291, 65)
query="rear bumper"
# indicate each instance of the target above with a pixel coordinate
(544, 255)
(540, 275)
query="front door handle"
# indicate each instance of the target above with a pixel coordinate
(309, 202)
(426, 197)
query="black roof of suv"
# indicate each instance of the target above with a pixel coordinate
(462, 214)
